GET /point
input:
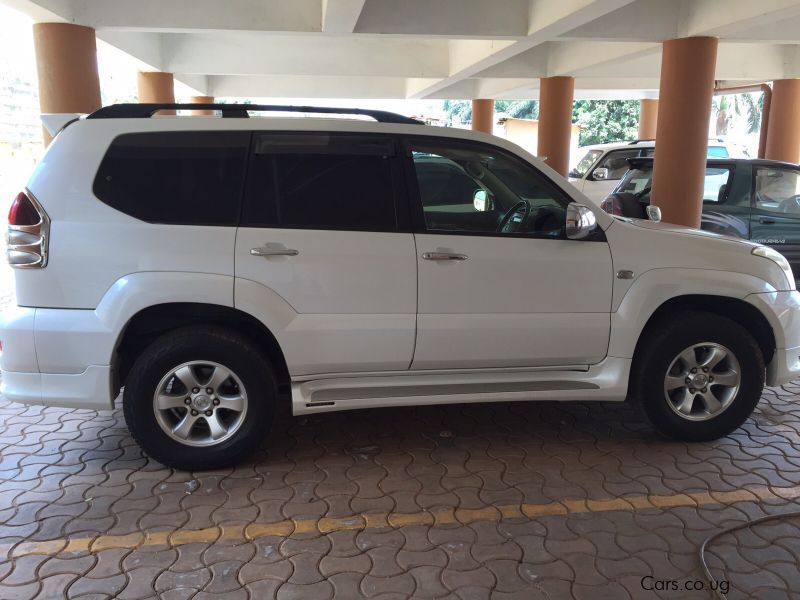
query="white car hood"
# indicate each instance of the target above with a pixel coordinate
(640, 245)
(684, 230)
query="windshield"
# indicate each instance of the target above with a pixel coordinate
(585, 163)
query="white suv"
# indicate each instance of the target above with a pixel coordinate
(599, 168)
(201, 264)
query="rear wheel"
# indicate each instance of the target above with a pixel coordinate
(199, 398)
(698, 376)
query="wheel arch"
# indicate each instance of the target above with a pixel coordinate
(155, 320)
(736, 309)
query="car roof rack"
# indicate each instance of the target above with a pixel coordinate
(240, 111)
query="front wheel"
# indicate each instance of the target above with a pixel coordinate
(199, 398)
(698, 376)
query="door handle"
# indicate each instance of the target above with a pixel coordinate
(443, 256)
(273, 251)
(766, 221)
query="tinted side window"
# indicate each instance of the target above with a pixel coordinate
(322, 181)
(189, 178)
(716, 184)
(479, 189)
(777, 190)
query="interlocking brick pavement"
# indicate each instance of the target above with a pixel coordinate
(538, 500)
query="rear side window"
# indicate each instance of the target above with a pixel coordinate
(187, 178)
(322, 181)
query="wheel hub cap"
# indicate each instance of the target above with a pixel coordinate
(200, 403)
(702, 381)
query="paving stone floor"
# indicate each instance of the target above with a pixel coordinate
(519, 500)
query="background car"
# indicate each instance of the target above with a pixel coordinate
(752, 199)
(602, 165)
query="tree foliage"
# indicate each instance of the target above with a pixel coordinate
(460, 111)
(744, 105)
(600, 120)
(606, 120)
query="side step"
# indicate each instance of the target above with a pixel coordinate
(606, 381)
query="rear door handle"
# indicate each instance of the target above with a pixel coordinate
(269, 250)
(443, 256)
(766, 221)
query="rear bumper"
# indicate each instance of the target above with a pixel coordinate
(56, 357)
(90, 389)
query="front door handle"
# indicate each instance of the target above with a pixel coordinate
(766, 221)
(273, 251)
(443, 256)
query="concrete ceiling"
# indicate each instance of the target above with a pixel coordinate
(433, 48)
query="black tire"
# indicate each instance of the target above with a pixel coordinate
(672, 335)
(229, 349)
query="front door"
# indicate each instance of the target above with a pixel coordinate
(319, 250)
(776, 210)
(499, 284)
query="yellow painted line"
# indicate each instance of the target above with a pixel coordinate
(448, 516)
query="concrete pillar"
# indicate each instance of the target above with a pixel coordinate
(684, 110)
(155, 86)
(201, 100)
(783, 135)
(555, 121)
(66, 63)
(648, 118)
(483, 115)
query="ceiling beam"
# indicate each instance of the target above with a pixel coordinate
(271, 54)
(341, 16)
(546, 19)
(189, 15)
(255, 86)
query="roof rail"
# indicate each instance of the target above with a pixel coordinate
(634, 142)
(145, 111)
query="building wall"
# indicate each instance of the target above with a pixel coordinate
(525, 133)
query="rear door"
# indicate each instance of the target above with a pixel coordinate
(776, 210)
(321, 229)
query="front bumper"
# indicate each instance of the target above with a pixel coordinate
(784, 366)
(782, 311)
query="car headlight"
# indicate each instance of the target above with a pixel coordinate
(779, 259)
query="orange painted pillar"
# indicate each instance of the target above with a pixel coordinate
(648, 118)
(555, 121)
(684, 110)
(783, 135)
(66, 63)
(483, 115)
(202, 100)
(155, 86)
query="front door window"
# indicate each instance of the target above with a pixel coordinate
(465, 188)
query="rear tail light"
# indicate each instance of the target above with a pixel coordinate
(28, 229)
(612, 205)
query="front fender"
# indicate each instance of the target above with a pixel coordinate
(655, 287)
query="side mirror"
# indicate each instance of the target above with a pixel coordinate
(653, 213)
(600, 173)
(580, 221)
(480, 200)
